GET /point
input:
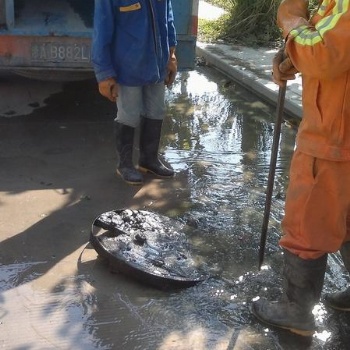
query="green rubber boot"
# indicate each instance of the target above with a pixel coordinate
(302, 290)
(341, 300)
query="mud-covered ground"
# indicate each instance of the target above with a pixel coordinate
(57, 174)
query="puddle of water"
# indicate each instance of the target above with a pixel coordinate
(219, 136)
(13, 275)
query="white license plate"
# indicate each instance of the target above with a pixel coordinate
(60, 52)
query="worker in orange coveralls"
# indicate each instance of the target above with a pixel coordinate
(317, 209)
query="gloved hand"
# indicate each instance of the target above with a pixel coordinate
(282, 68)
(109, 89)
(171, 71)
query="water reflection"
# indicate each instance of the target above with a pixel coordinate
(221, 135)
(218, 138)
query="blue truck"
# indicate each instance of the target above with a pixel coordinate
(51, 39)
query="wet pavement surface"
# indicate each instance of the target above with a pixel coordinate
(57, 174)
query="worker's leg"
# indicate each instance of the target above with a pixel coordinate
(130, 106)
(341, 300)
(151, 130)
(317, 205)
(315, 224)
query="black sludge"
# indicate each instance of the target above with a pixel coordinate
(147, 246)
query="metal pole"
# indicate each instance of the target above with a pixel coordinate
(271, 178)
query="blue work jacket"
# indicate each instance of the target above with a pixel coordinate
(131, 40)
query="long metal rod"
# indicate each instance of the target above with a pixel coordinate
(271, 178)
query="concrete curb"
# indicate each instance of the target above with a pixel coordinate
(251, 68)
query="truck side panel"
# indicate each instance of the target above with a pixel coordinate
(186, 22)
(56, 34)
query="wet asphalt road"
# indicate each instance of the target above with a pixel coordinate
(57, 174)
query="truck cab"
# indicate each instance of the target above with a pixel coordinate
(51, 39)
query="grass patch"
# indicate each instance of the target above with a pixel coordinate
(247, 22)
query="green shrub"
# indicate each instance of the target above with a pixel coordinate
(249, 22)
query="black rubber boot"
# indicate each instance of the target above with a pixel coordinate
(124, 144)
(149, 143)
(341, 300)
(302, 290)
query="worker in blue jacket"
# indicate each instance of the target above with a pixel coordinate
(133, 55)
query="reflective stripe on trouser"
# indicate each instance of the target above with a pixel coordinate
(317, 219)
(136, 101)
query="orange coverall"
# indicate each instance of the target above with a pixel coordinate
(317, 210)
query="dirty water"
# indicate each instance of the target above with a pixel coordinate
(218, 137)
